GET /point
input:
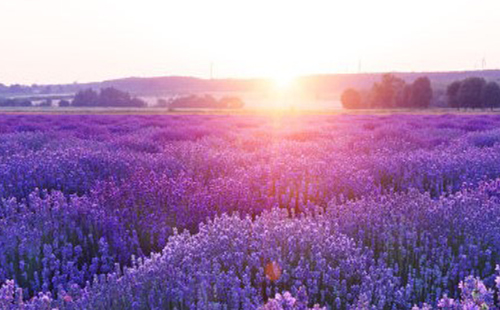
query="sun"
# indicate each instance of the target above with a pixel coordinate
(284, 82)
(285, 88)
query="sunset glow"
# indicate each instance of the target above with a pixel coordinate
(284, 83)
(249, 155)
(102, 39)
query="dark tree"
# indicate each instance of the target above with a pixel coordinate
(490, 96)
(107, 97)
(63, 103)
(16, 103)
(403, 96)
(112, 97)
(452, 94)
(86, 98)
(421, 93)
(469, 94)
(351, 99)
(384, 94)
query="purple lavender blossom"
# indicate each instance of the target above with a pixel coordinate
(186, 212)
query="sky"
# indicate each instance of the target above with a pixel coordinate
(66, 41)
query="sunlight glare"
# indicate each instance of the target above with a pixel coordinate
(284, 82)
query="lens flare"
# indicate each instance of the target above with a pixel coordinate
(273, 271)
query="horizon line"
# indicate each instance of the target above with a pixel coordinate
(306, 75)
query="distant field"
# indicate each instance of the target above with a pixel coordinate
(163, 111)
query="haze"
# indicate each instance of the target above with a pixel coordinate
(63, 41)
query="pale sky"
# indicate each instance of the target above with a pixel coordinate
(63, 41)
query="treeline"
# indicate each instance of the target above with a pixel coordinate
(15, 103)
(112, 97)
(474, 93)
(202, 102)
(106, 97)
(19, 102)
(394, 92)
(390, 92)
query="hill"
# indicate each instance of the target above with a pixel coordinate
(325, 86)
(333, 83)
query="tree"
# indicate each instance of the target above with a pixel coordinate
(384, 94)
(112, 97)
(86, 98)
(351, 99)
(469, 94)
(392, 92)
(107, 97)
(64, 103)
(403, 97)
(15, 102)
(421, 93)
(452, 94)
(490, 95)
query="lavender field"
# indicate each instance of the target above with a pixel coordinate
(249, 212)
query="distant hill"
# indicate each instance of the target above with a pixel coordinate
(324, 83)
(179, 84)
